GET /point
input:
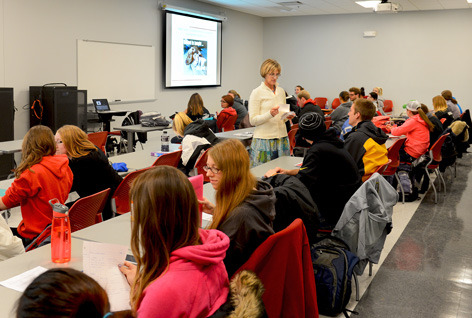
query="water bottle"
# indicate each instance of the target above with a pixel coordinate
(164, 142)
(60, 233)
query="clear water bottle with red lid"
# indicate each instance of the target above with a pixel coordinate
(60, 232)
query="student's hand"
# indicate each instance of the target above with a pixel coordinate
(129, 270)
(274, 110)
(291, 117)
(273, 172)
(207, 206)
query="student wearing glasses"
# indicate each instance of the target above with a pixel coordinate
(244, 208)
(270, 139)
(227, 114)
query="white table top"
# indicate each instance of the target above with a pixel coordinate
(12, 146)
(139, 128)
(22, 263)
(113, 231)
(140, 159)
(241, 134)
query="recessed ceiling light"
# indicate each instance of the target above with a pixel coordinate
(372, 4)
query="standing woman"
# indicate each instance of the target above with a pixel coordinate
(180, 270)
(245, 206)
(270, 139)
(91, 168)
(40, 177)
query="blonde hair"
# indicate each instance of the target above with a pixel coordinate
(379, 90)
(439, 103)
(165, 218)
(237, 181)
(75, 141)
(269, 66)
(181, 120)
(305, 94)
(37, 143)
(232, 91)
(195, 105)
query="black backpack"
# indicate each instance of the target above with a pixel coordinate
(333, 265)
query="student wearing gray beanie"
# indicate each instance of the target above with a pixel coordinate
(328, 170)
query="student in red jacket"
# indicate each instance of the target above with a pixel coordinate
(227, 114)
(180, 270)
(40, 177)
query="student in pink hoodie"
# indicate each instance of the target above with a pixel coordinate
(416, 128)
(180, 270)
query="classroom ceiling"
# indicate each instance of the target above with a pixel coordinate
(282, 8)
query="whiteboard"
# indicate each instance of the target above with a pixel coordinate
(116, 71)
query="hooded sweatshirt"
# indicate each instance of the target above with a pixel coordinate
(330, 174)
(417, 135)
(195, 283)
(49, 179)
(225, 115)
(248, 225)
(366, 144)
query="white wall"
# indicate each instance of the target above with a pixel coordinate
(38, 45)
(415, 55)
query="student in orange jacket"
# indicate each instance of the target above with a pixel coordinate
(227, 114)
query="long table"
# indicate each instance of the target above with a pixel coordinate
(12, 146)
(241, 134)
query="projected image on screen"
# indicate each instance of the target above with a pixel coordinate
(195, 57)
(193, 51)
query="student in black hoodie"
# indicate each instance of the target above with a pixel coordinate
(365, 142)
(328, 171)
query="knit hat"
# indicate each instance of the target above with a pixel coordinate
(413, 105)
(311, 126)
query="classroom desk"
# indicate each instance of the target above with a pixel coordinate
(131, 129)
(241, 134)
(140, 159)
(7, 147)
(106, 118)
(22, 263)
(116, 230)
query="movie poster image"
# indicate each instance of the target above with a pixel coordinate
(195, 57)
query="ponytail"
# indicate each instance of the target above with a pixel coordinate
(426, 119)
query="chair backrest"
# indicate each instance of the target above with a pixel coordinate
(201, 162)
(328, 123)
(39, 239)
(321, 101)
(283, 264)
(228, 124)
(87, 211)
(291, 139)
(335, 103)
(99, 139)
(120, 199)
(394, 157)
(442, 120)
(388, 106)
(435, 151)
(169, 159)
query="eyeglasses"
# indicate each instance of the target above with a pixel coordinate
(273, 75)
(214, 170)
(222, 101)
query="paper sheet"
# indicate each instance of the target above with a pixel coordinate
(284, 108)
(21, 281)
(100, 261)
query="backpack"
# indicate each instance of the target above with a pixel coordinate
(333, 265)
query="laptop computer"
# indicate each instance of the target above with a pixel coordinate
(102, 107)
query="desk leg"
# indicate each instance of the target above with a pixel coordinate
(130, 141)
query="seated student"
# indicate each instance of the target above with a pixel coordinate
(180, 270)
(441, 110)
(227, 113)
(10, 245)
(238, 106)
(65, 292)
(379, 92)
(245, 206)
(195, 109)
(452, 105)
(438, 126)
(91, 169)
(416, 128)
(307, 105)
(365, 142)
(340, 114)
(179, 123)
(40, 177)
(328, 170)
(373, 97)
